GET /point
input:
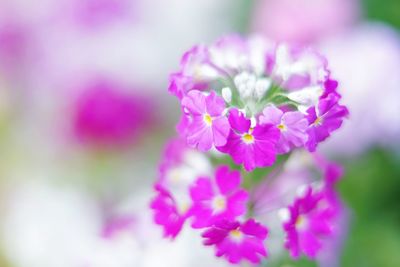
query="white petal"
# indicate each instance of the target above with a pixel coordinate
(227, 94)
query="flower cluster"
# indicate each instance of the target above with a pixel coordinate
(250, 103)
(187, 189)
(254, 100)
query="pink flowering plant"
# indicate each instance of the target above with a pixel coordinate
(253, 115)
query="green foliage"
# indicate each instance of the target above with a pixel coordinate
(287, 262)
(383, 10)
(371, 188)
(242, 14)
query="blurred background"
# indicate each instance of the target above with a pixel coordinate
(84, 114)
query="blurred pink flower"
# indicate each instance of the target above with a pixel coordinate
(93, 13)
(179, 168)
(194, 62)
(167, 212)
(118, 224)
(311, 221)
(303, 20)
(107, 115)
(297, 67)
(366, 62)
(13, 46)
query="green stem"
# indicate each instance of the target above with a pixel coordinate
(253, 179)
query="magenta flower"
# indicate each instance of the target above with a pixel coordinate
(219, 199)
(106, 115)
(237, 242)
(310, 221)
(232, 96)
(195, 72)
(330, 87)
(179, 169)
(168, 213)
(333, 173)
(325, 118)
(292, 125)
(208, 126)
(254, 147)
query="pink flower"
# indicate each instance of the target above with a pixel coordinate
(292, 126)
(195, 72)
(173, 156)
(330, 87)
(167, 212)
(325, 118)
(118, 224)
(359, 78)
(106, 115)
(311, 219)
(95, 13)
(254, 147)
(295, 68)
(303, 21)
(220, 200)
(208, 126)
(231, 54)
(333, 173)
(237, 242)
(179, 169)
(14, 45)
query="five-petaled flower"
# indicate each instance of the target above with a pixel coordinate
(218, 199)
(292, 126)
(168, 213)
(208, 125)
(310, 220)
(237, 241)
(254, 147)
(323, 119)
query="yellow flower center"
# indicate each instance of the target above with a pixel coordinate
(197, 72)
(183, 207)
(318, 121)
(248, 138)
(174, 175)
(207, 119)
(281, 127)
(301, 222)
(219, 203)
(236, 235)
